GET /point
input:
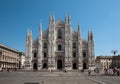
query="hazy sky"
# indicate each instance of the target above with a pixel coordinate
(102, 16)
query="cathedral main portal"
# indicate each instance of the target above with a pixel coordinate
(59, 64)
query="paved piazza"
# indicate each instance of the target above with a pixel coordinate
(44, 78)
(55, 78)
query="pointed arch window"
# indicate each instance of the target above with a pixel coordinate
(59, 34)
(45, 45)
(74, 45)
(35, 55)
(74, 55)
(59, 47)
(45, 55)
(84, 54)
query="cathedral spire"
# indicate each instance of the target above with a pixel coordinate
(91, 49)
(30, 33)
(67, 19)
(90, 35)
(28, 51)
(27, 36)
(40, 31)
(79, 34)
(51, 18)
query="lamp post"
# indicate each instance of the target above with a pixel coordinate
(114, 52)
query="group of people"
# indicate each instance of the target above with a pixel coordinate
(112, 72)
(105, 72)
(8, 69)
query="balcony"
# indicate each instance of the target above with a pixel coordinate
(45, 58)
(34, 59)
(75, 58)
(59, 52)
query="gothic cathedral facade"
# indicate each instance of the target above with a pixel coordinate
(59, 48)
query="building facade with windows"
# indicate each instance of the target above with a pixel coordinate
(22, 60)
(59, 48)
(108, 61)
(9, 58)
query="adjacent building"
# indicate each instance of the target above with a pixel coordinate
(108, 61)
(9, 58)
(59, 48)
(21, 60)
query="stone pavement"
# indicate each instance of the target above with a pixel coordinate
(102, 79)
(44, 78)
(105, 79)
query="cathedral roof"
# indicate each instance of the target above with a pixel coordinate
(84, 43)
(60, 22)
(45, 34)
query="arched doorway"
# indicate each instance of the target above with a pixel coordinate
(84, 66)
(59, 64)
(35, 66)
(44, 65)
(74, 66)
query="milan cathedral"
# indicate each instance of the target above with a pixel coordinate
(59, 48)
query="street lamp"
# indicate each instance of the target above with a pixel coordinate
(114, 52)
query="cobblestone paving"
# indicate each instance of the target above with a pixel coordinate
(44, 78)
(102, 79)
(106, 79)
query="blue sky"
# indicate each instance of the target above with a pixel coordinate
(102, 16)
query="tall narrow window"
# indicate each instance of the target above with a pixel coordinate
(35, 55)
(74, 54)
(59, 34)
(74, 45)
(45, 55)
(59, 47)
(84, 54)
(45, 45)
